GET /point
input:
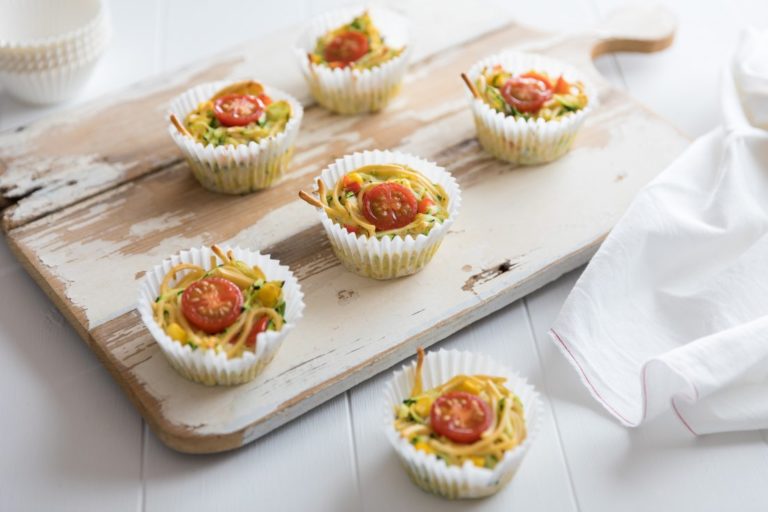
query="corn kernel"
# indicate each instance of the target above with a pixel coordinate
(269, 294)
(424, 447)
(176, 332)
(477, 460)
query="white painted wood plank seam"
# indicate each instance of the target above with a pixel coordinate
(545, 396)
(353, 446)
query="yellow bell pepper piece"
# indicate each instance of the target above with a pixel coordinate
(422, 406)
(269, 294)
(176, 332)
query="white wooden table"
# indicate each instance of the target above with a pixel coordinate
(69, 439)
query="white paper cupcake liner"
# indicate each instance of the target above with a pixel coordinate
(236, 169)
(532, 141)
(388, 258)
(53, 69)
(353, 91)
(48, 86)
(41, 59)
(207, 366)
(433, 475)
(38, 24)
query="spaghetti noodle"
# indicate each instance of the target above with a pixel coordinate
(385, 200)
(207, 125)
(531, 95)
(416, 417)
(356, 45)
(261, 305)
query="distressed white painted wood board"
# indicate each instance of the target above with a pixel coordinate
(177, 483)
(554, 216)
(41, 173)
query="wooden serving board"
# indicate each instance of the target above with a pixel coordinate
(96, 196)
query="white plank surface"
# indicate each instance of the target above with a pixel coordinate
(658, 467)
(72, 442)
(543, 479)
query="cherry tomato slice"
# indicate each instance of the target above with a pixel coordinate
(350, 185)
(346, 47)
(238, 109)
(461, 417)
(265, 100)
(425, 204)
(538, 76)
(562, 87)
(212, 304)
(389, 206)
(525, 94)
(259, 326)
(352, 229)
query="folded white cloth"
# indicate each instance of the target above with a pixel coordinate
(672, 311)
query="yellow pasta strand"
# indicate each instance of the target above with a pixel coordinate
(346, 211)
(506, 431)
(167, 308)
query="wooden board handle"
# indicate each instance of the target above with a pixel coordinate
(635, 28)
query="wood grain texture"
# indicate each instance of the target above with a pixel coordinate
(74, 155)
(519, 229)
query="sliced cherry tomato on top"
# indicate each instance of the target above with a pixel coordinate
(237, 109)
(259, 326)
(461, 417)
(350, 184)
(425, 204)
(562, 87)
(389, 206)
(525, 94)
(212, 304)
(346, 47)
(538, 76)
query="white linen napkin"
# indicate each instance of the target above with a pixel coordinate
(672, 311)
